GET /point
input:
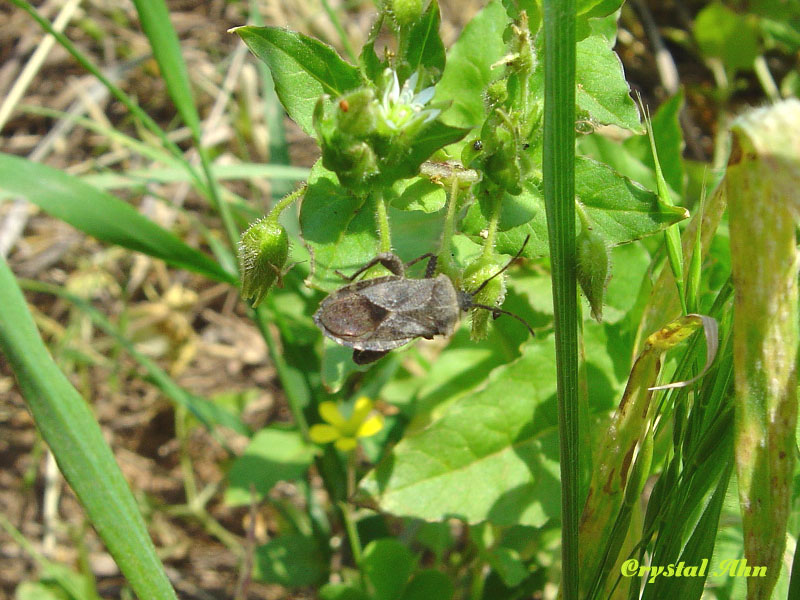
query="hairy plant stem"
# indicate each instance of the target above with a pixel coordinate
(445, 257)
(382, 218)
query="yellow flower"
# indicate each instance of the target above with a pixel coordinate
(344, 432)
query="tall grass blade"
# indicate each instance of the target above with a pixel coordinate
(559, 191)
(101, 215)
(69, 428)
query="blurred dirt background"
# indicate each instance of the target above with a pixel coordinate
(195, 329)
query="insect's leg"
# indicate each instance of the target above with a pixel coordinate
(387, 259)
(430, 268)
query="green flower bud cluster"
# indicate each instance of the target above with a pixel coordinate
(508, 139)
(365, 136)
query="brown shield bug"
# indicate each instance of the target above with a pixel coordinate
(374, 316)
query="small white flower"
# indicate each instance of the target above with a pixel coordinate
(400, 107)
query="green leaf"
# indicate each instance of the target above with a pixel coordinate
(619, 209)
(425, 47)
(337, 365)
(602, 90)
(630, 266)
(429, 585)
(407, 160)
(30, 590)
(419, 193)
(101, 215)
(303, 69)
(597, 8)
(486, 443)
(292, 560)
(273, 455)
(468, 70)
(484, 440)
(368, 60)
(73, 435)
(507, 564)
(340, 591)
(340, 229)
(726, 35)
(386, 565)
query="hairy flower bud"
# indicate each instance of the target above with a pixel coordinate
(263, 250)
(406, 12)
(594, 268)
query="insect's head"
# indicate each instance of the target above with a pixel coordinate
(466, 299)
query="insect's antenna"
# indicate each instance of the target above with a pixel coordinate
(497, 311)
(508, 264)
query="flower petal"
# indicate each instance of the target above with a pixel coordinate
(362, 408)
(345, 444)
(371, 426)
(323, 434)
(329, 411)
(424, 96)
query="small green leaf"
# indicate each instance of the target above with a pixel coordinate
(429, 585)
(387, 565)
(425, 47)
(508, 565)
(292, 560)
(419, 193)
(340, 591)
(602, 90)
(101, 215)
(303, 69)
(726, 35)
(340, 230)
(35, 590)
(337, 365)
(273, 455)
(435, 136)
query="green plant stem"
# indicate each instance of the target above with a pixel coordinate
(287, 200)
(209, 524)
(559, 191)
(494, 219)
(261, 317)
(445, 256)
(382, 217)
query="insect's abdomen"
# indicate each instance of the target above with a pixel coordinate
(351, 316)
